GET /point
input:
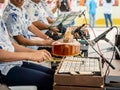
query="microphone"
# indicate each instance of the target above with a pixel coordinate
(101, 36)
(77, 30)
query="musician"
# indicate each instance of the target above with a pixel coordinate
(38, 15)
(14, 70)
(52, 6)
(19, 25)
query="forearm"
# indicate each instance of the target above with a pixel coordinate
(43, 26)
(40, 25)
(6, 56)
(69, 5)
(58, 4)
(50, 20)
(54, 9)
(27, 42)
(37, 32)
(20, 48)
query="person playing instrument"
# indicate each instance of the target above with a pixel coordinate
(15, 70)
(19, 25)
(51, 7)
(39, 15)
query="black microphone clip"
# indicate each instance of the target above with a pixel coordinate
(101, 36)
(82, 13)
(78, 30)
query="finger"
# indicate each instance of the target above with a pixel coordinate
(46, 52)
(49, 55)
(41, 60)
(46, 57)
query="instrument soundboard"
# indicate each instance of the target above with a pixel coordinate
(76, 65)
(76, 73)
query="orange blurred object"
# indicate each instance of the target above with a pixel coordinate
(82, 2)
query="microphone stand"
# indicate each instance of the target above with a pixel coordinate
(115, 47)
(103, 58)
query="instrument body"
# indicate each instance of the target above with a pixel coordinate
(67, 46)
(73, 77)
(66, 49)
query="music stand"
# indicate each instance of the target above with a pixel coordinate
(66, 19)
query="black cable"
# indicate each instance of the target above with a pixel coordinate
(100, 54)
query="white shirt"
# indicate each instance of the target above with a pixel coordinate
(36, 11)
(107, 7)
(5, 44)
(17, 21)
(52, 4)
(48, 9)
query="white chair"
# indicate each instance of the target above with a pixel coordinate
(23, 87)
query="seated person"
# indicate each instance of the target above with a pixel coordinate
(37, 13)
(51, 7)
(18, 24)
(15, 70)
(39, 16)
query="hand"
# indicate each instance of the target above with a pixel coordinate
(86, 32)
(76, 35)
(54, 29)
(39, 56)
(56, 42)
(48, 38)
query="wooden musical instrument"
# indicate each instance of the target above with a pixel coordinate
(75, 73)
(66, 46)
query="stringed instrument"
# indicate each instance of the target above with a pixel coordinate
(67, 46)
